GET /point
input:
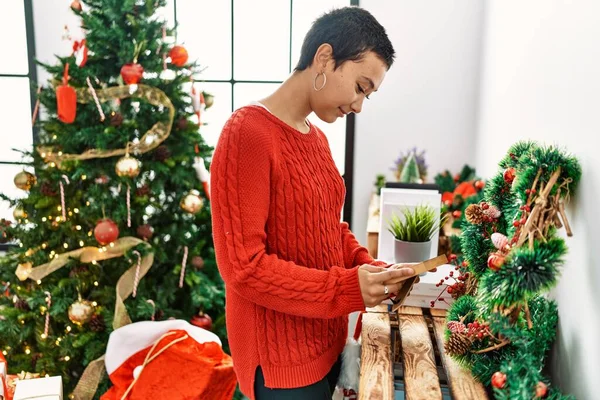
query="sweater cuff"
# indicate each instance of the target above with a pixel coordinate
(350, 292)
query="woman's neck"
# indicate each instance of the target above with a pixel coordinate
(290, 101)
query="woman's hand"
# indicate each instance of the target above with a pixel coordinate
(377, 283)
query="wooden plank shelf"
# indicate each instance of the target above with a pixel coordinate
(403, 358)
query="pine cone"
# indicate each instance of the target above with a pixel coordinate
(145, 231)
(76, 271)
(116, 119)
(47, 190)
(458, 344)
(22, 305)
(97, 323)
(142, 191)
(162, 153)
(474, 214)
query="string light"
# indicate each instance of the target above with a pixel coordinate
(27, 350)
(70, 213)
(90, 233)
(112, 244)
(52, 164)
(68, 328)
(44, 245)
(39, 282)
(94, 262)
(76, 210)
(81, 244)
(43, 155)
(44, 219)
(78, 227)
(59, 208)
(87, 203)
(5, 352)
(54, 137)
(50, 217)
(96, 283)
(66, 245)
(94, 303)
(57, 219)
(60, 153)
(20, 244)
(83, 177)
(43, 336)
(67, 358)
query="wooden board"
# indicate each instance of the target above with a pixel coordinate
(462, 384)
(420, 373)
(381, 308)
(376, 372)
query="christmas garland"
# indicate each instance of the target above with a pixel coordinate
(503, 327)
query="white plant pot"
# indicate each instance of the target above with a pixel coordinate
(411, 252)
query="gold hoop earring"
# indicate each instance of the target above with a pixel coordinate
(315, 81)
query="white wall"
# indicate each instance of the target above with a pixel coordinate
(428, 98)
(540, 81)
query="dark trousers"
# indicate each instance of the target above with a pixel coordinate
(322, 390)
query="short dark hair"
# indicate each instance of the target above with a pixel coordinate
(352, 32)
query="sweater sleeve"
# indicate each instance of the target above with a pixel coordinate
(241, 172)
(355, 254)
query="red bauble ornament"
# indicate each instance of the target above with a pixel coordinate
(106, 231)
(179, 56)
(495, 262)
(479, 185)
(498, 380)
(132, 73)
(76, 5)
(202, 320)
(541, 390)
(509, 175)
(456, 214)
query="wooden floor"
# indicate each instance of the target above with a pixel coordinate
(403, 358)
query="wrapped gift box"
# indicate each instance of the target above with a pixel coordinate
(39, 389)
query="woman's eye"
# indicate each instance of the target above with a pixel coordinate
(361, 90)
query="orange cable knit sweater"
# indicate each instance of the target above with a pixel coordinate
(288, 263)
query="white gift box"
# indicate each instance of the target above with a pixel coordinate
(39, 389)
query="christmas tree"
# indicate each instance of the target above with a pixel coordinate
(501, 326)
(115, 225)
(410, 170)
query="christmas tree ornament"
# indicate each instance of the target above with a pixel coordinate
(22, 305)
(132, 73)
(47, 319)
(25, 180)
(465, 189)
(19, 213)
(106, 231)
(202, 320)
(5, 236)
(128, 166)
(500, 241)
(80, 312)
(62, 197)
(179, 56)
(495, 261)
(77, 271)
(136, 279)
(474, 214)
(410, 170)
(95, 96)
(97, 323)
(541, 390)
(145, 231)
(76, 5)
(192, 202)
(47, 189)
(456, 327)
(197, 102)
(23, 271)
(209, 100)
(80, 51)
(143, 190)
(479, 185)
(162, 153)
(183, 265)
(116, 119)
(492, 212)
(509, 175)
(202, 174)
(498, 380)
(182, 124)
(66, 99)
(198, 262)
(102, 180)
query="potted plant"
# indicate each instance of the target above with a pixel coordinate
(413, 233)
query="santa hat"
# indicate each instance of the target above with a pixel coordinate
(167, 360)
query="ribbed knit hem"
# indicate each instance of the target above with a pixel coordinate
(303, 375)
(350, 294)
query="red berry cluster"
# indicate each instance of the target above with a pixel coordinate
(456, 289)
(519, 223)
(477, 330)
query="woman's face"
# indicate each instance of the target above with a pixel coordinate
(347, 87)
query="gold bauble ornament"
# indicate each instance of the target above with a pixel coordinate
(192, 202)
(23, 271)
(19, 213)
(25, 180)
(80, 312)
(128, 166)
(209, 100)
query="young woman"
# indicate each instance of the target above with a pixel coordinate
(292, 271)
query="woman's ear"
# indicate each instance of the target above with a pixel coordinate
(323, 55)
